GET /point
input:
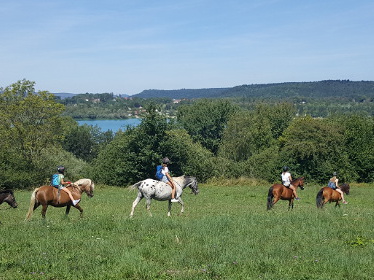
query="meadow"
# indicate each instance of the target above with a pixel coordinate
(225, 233)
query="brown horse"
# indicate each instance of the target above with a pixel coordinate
(327, 194)
(8, 197)
(279, 191)
(48, 195)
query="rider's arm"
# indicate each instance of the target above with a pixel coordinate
(64, 183)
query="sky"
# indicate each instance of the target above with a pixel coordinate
(125, 47)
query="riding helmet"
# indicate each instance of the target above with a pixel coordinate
(285, 168)
(165, 160)
(61, 169)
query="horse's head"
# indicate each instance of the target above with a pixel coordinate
(10, 199)
(345, 188)
(87, 188)
(192, 183)
(299, 182)
(86, 185)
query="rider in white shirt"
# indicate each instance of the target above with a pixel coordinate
(286, 181)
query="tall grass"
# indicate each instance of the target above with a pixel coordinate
(225, 233)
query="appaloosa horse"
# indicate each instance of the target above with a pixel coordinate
(48, 195)
(153, 189)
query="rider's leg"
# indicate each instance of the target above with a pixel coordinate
(70, 196)
(342, 194)
(172, 190)
(294, 191)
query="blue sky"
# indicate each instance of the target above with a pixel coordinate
(125, 46)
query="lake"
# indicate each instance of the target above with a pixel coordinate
(113, 125)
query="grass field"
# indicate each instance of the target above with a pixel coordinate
(225, 233)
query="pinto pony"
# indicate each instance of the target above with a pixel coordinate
(327, 194)
(48, 195)
(158, 190)
(279, 191)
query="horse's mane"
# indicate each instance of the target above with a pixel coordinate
(7, 191)
(297, 179)
(344, 186)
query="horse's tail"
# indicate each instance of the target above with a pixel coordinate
(32, 204)
(270, 198)
(136, 186)
(319, 199)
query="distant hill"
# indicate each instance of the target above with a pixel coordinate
(64, 95)
(181, 93)
(320, 89)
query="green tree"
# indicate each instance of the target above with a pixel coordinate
(85, 141)
(247, 133)
(187, 157)
(205, 121)
(133, 154)
(359, 144)
(315, 148)
(30, 124)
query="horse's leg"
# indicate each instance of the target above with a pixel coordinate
(136, 201)
(182, 203)
(79, 208)
(276, 198)
(148, 206)
(169, 208)
(67, 210)
(290, 204)
(44, 210)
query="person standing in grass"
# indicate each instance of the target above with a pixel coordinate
(166, 178)
(286, 181)
(333, 183)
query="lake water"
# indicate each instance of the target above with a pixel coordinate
(113, 125)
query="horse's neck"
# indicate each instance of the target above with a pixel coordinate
(295, 182)
(179, 182)
(75, 190)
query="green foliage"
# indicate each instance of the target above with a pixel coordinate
(85, 141)
(246, 134)
(264, 165)
(29, 123)
(315, 148)
(359, 144)
(187, 157)
(205, 121)
(134, 154)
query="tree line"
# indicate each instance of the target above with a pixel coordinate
(208, 138)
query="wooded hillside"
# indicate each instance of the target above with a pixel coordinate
(358, 90)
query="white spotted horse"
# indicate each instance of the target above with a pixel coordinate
(153, 189)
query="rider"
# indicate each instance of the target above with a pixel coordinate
(166, 178)
(286, 181)
(59, 184)
(333, 183)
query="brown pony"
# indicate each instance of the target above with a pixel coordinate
(279, 191)
(327, 194)
(48, 195)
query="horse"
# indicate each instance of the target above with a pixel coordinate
(161, 191)
(8, 197)
(279, 191)
(48, 195)
(327, 194)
